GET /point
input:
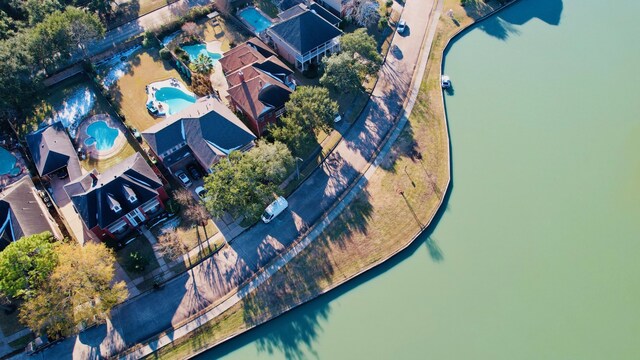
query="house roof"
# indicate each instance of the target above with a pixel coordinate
(326, 14)
(22, 213)
(271, 66)
(244, 54)
(294, 10)
(94, 194)
(207, 127)
(300, 8)
(259, 94)
(305, 32)
(52, 150)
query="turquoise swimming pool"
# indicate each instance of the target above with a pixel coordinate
(255, 18)
(175, 98)
(197, 49)
(8, 163)
(101, 135)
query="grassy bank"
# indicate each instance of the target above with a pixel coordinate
(399, 201)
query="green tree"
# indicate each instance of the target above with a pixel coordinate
(271, 162)
(244, 183)
(102, 7)
(8, 25)
(37, 10)
(83, 27)
(26, 264)
(202, 64)
(364, 45)
(16, 72)
(61, 33)
(312, 108)
(290, 133)
(80, 290)
(341, 73)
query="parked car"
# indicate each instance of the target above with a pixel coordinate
(201, 192)
(194, 172)
(274, 209)
(184, 178)
(402, 27)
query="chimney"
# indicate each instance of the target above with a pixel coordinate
(260, 83)
(241, 76)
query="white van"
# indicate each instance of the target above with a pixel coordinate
(274, 209)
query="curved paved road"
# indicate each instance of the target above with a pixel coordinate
(154, 312)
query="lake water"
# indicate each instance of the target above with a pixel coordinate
(540, 235)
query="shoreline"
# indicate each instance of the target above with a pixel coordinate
(432, 31)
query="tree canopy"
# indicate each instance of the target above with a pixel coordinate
(312, 108)
(78, 291)
(244, 183)
(202, 64)
(38, 35)
(308, 110)
(26, 264)
(342, 73)
(364, 45)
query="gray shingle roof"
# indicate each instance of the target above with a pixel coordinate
(208, 128)
(94, 195)
(326, 14)
(305, 32)
(22, 213)
(52, 150)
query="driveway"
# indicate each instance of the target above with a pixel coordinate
(153, 312)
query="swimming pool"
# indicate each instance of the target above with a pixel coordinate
(175, 98)
(255, 18)
(8, 163)
(101, 135)
(197, 49)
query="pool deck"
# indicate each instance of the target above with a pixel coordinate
(162, 106)
(90, 150)
(214, 47)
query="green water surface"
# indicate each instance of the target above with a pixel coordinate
(541, 234)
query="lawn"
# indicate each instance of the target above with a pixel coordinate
(129, 94)
(9, 323)
(142, 246)
(21, 342)
(378, 223)
(226, 31)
